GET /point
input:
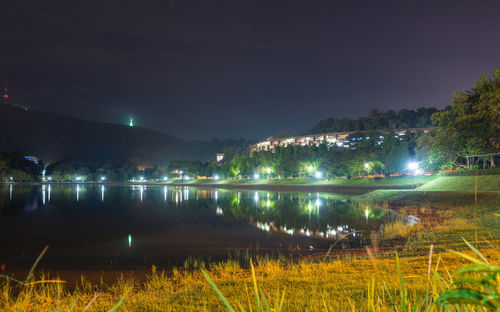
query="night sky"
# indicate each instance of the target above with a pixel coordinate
(200, 69)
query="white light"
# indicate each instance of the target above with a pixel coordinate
(165, 178)
(216, 177)
(103, 178)
(268, 170)
(419, 171)
(318, 174)
(309, 168)
(256, 176)
(187, 177)
(413, 165)
(49, 178)
(367, 165)
(78, 178)
(141, 178)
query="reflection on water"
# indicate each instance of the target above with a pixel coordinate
(170, 222)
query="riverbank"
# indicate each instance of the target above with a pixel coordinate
(327, 284)
(490, 183)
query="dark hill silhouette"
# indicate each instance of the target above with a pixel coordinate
(53, 136)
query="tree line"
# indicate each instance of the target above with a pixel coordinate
(378, 120)
(470, 126)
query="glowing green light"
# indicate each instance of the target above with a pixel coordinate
(130, 240)
(131, 122)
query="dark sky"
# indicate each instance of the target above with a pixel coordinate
(199, 69)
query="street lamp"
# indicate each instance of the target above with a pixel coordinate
(256, 176)
(413, 166)
(318, 174)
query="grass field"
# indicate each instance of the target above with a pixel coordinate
(403, 181)
(466, 184)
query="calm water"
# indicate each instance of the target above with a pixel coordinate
(100, 226)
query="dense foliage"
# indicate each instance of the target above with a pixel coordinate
(68, 170)
(374, 152)
(470, 126)
(378, 120)
(13, 166)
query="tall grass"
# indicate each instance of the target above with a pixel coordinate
(478, 291)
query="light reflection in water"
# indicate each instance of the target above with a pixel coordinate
(219, 211)
(10, 191)
(291, 214)
(43, 194)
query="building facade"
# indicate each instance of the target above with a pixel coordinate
(340, 139)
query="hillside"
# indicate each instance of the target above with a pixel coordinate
(455, 184)
(52, 136)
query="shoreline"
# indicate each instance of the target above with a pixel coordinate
(324, 188)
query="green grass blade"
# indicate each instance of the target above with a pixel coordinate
(471, 259)
(403, 293)
(219, 293)
(264, 299)
(475, 250)
(257, 300)
(32, 270)
(282, 300)
(119, 301)
(12, 279)
(390, 297)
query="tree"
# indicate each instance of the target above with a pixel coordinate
(470, 126)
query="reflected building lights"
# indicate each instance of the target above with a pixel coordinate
(219, 211)
(77, 192)
(165, 193)
(141, 190)
(102, 193)
(256, 197)
(43, 194)
(10, 191)
(48, 192)
(239, 197)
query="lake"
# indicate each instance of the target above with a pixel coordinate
(94, 226)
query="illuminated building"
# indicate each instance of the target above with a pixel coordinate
(340, 139)
(219, 157)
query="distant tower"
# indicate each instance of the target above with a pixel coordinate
(131, 122)
(5, 94)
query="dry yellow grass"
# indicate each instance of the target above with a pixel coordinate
(341, 284)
